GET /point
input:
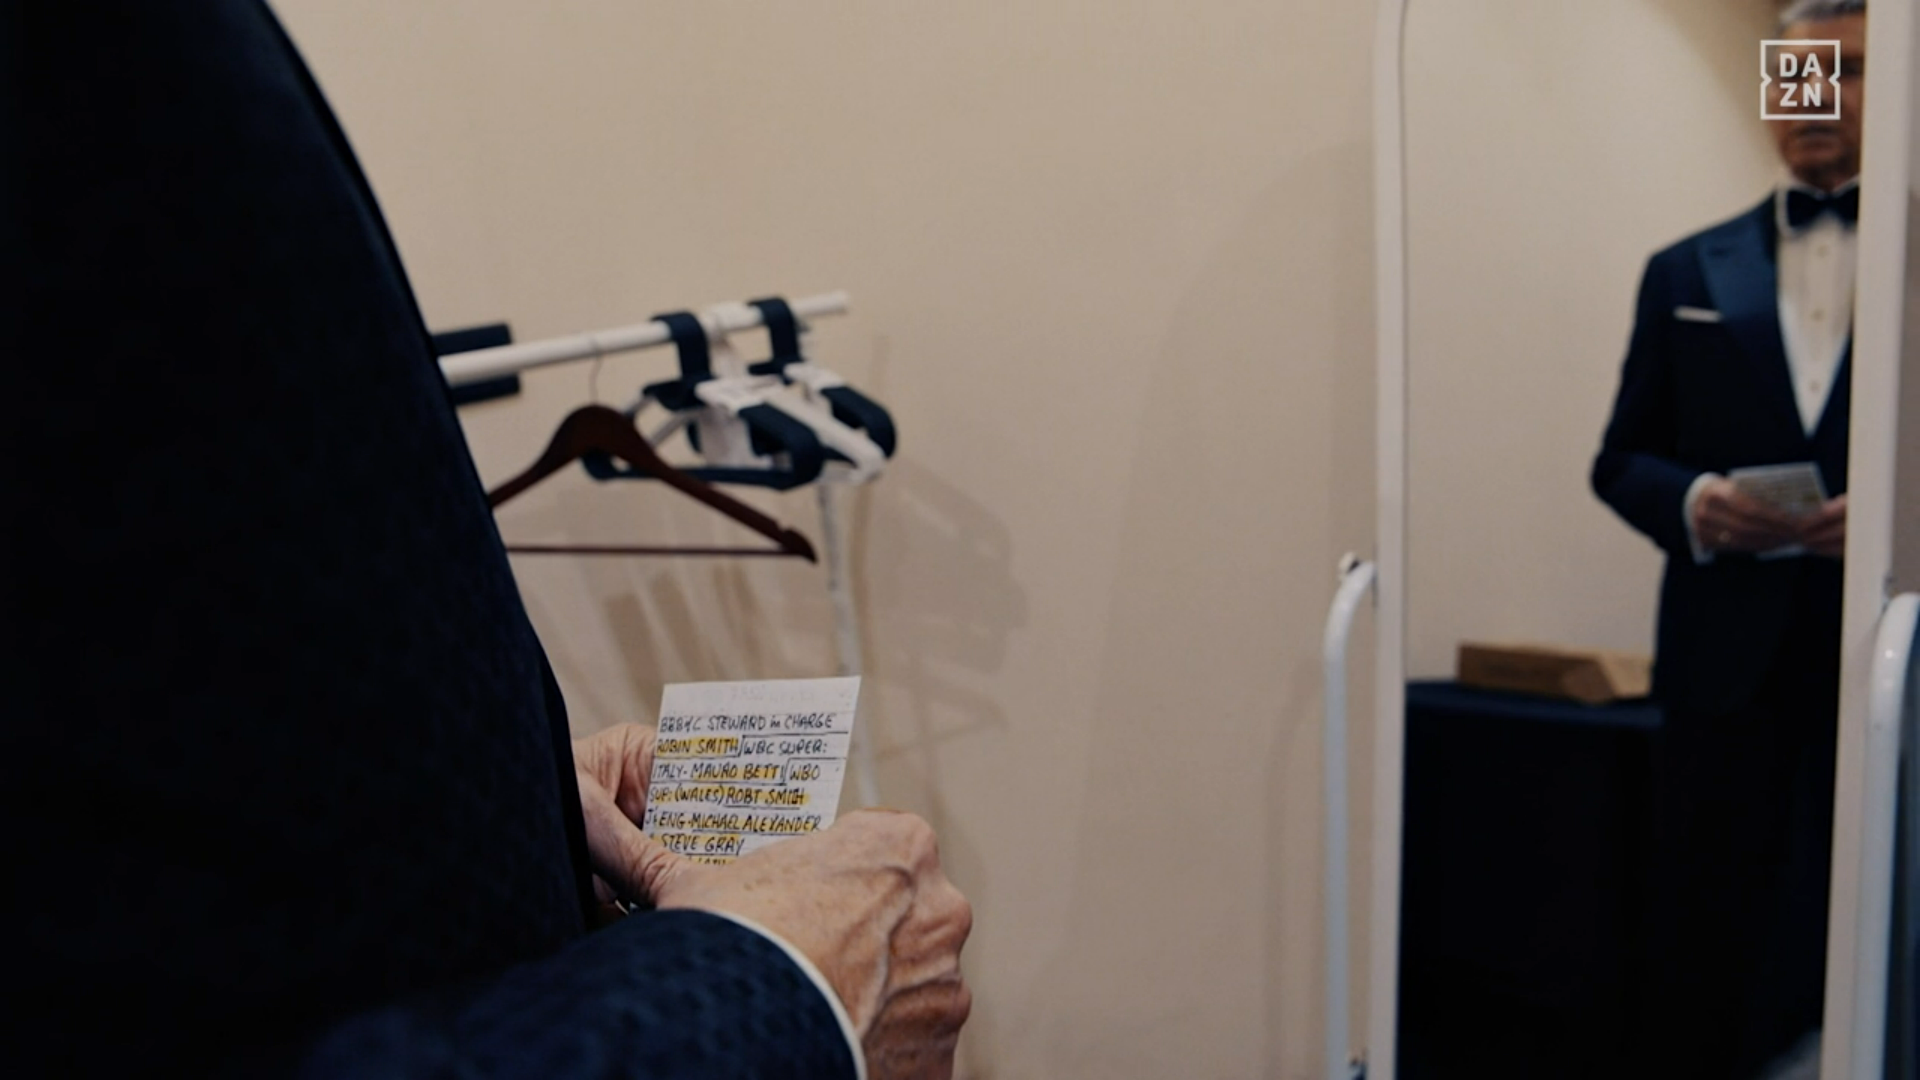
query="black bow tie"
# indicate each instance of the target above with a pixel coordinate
(1805, 206)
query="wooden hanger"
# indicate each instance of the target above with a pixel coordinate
(597, 429)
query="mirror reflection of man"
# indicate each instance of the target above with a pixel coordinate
(1739, 358)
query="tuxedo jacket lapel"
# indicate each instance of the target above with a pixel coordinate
(1743, 278)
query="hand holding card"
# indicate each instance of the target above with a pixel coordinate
(740, 765)
(739, 768)
(1795, 490)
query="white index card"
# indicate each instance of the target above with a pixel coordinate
(740, 765)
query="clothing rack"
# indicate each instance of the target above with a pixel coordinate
(480, 365)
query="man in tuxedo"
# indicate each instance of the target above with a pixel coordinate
(287, 779)
(1739, 357)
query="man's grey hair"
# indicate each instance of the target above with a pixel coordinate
(1809, 11)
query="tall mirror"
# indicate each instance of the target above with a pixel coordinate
(1629, 316)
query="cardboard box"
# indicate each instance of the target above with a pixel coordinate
(1593, 676)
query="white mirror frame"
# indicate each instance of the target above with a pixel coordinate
(1879, 319)
(1854, 1025)
(1390, 530)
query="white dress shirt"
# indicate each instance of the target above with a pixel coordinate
(1816, 266)
(1816, 269)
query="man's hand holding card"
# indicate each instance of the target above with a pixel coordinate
(738, 791)
(1771, 512)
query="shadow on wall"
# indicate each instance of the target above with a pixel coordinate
(938, 632)
(1196, 715)
(663, 619)
(937, 638)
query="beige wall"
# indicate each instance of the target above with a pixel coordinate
(1552, 147)
(1110, 264)
(1111, 272)
(1110, 267)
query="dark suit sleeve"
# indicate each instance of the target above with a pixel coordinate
(284, 777)
(1635, 472)
(679, 994)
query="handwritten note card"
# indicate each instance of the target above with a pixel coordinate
(1794, 489)
(740, 765)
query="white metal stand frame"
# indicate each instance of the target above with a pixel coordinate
(1390, 523)
(1886, 714)
(1385, 578)
(1356, 584)
(718, 321)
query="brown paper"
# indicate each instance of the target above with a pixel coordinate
(1592, 676)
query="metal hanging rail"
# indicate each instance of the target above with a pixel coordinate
(482, 364)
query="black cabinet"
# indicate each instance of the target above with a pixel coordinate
(1527, 838)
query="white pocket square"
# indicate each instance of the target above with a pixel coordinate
(1695, 314)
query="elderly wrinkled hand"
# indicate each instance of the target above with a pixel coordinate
(866, 901)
